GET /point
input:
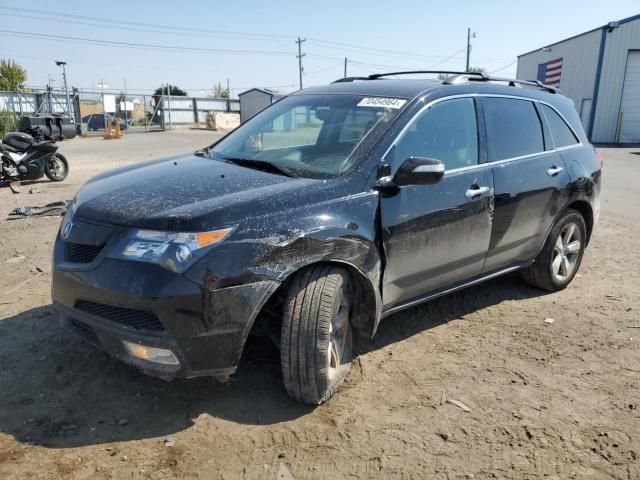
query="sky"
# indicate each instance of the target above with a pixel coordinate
(195, 44)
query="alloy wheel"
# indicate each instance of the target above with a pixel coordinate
(338, 331)
(566, 252)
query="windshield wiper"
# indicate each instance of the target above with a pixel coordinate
(203, 152)
(261, 165)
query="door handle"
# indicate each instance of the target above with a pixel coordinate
(554, 170)
(476, 191)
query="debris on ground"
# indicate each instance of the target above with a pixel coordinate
(169, 442)
(458, 404)
(50, 209)
(549, 320)
(16, 259)
(284, 473)
(22, 284)
(15, 186)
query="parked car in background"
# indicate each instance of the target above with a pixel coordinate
(329, 210)
(97, 121)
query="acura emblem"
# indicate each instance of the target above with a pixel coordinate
(66, 230)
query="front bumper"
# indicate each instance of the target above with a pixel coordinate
(205, 329)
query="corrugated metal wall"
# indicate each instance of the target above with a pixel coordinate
(27, 103)
(182, 109)
(580, 59)
(618, 43)
(579, 65)
(14, 102)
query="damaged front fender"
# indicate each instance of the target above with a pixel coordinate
(240, 275)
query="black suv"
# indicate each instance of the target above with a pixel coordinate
(327, 211)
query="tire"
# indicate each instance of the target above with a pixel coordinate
(560, 258)
(316, 346)
(56, 168)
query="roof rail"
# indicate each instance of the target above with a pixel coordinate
(512, 82)
(414, 72)
(349, 79)
(376, 76)
(456, 78)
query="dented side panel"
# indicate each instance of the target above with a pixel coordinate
(435, 236)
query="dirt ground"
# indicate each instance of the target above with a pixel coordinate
(547, 400)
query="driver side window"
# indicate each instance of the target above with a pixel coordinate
(446, 131)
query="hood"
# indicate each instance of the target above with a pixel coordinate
(187, 193)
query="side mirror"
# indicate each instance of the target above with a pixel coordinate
(419, 171)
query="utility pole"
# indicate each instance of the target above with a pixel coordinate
(66, 86)
(345, 67)
(300, 55)
(469, 37)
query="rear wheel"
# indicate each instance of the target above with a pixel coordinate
(56, 168)
(560, 258)
(316, 341)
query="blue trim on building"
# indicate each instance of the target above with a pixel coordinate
(596, 85)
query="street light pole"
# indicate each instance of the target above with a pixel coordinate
(66, 86)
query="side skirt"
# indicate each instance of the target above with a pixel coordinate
(434, 295)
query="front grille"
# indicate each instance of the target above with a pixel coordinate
(136, 319)
(81, 253)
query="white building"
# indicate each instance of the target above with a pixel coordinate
(600, 71)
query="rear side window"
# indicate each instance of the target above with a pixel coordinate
(513, 128)
(560, 131)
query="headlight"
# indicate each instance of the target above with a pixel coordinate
(172, 250)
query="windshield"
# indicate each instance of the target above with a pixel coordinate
(309, 135)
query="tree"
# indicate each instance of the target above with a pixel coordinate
(173, 91)
(220, 92)
(12, 75)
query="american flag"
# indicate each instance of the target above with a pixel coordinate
(550, 72)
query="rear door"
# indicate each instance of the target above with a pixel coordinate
(435, 236)
(529, 177)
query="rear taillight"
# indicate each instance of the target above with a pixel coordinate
(599, 158)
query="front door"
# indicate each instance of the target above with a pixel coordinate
(435, 236)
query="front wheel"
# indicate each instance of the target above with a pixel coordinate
(560, 258)
(56, 168)
(316, 342)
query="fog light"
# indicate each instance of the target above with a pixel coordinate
(151, 354)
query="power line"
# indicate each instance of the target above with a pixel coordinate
(153, 25)
(377, 51)
(141, 45)
(323, 69)
(446, 59)
(146, 30)
(504, 68)
(191, 31)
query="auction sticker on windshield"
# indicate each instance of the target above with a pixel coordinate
(383, 102)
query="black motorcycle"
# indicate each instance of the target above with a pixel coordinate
(30, 156)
